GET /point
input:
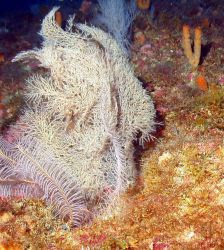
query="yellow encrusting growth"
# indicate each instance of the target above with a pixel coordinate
(143, 4)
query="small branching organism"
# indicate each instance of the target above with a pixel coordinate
(76, 135)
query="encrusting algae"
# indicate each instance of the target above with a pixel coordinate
(28, 224)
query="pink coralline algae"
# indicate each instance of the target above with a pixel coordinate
(142, 65)
(158, 245)
(11, 135)
(190, 77)
(147, 50)
(162, 110)
(2, 112)
(221, 80)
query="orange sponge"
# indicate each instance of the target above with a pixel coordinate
(58, 18)
(193, 57)
(202, 83)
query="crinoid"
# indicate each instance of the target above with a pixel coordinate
(76, 135)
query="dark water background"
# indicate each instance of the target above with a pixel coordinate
(10, 6)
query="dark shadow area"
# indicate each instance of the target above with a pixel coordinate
(205, 49)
